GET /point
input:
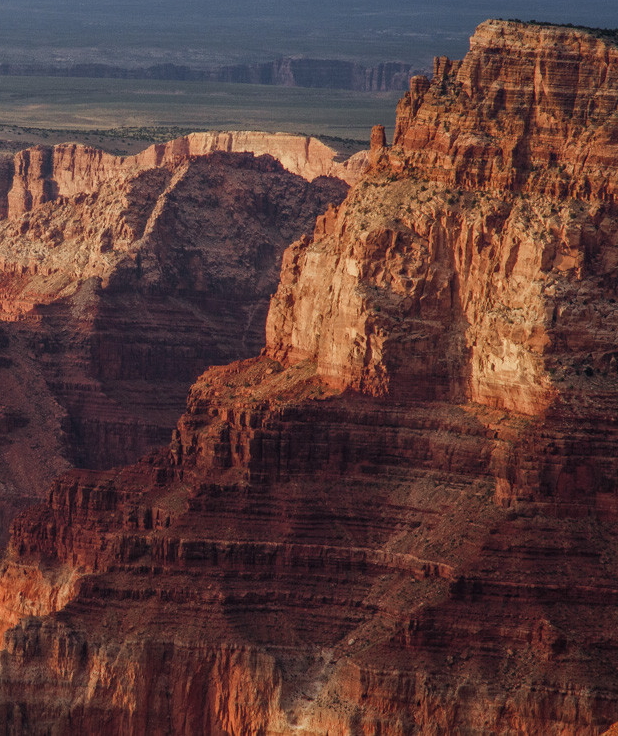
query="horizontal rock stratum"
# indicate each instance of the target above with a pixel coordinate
(121, 279)
(46, 173)
(401, 517)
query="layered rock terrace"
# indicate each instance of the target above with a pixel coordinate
(400, 517)
(47, 173)
(122, 278)
(531, 108)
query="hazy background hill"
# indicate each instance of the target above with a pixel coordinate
(207, 32)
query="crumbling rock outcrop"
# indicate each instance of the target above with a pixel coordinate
(366, 535)
(531, 108)
(400, 517)
(120, 279)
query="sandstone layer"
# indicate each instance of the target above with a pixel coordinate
(530, 109)
(400, 517)
(121, 279)
(48, 173)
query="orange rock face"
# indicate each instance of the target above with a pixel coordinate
(529, 109)
(400, 518)
(44, 173)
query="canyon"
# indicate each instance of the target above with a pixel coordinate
(121, 278)
(399, 516)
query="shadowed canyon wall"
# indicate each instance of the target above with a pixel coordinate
(122, 278)
(400, 517)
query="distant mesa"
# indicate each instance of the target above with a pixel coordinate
(44, 173)
(285, 72)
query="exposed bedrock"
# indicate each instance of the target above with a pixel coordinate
(400, 517)
(120, 281)
(47, 173)
(305, 560)
(530, 108)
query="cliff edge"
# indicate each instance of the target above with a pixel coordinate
(400, 517)
(122, 278)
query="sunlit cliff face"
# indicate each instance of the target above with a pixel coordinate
(400, 517)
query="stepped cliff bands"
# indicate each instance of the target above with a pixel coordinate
(122, 278)
(400, 517)
(47, 173)
(530, 108)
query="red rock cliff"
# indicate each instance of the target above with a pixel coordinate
(401, 517)
(117, 293)
(530, 108)
(46, 173)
